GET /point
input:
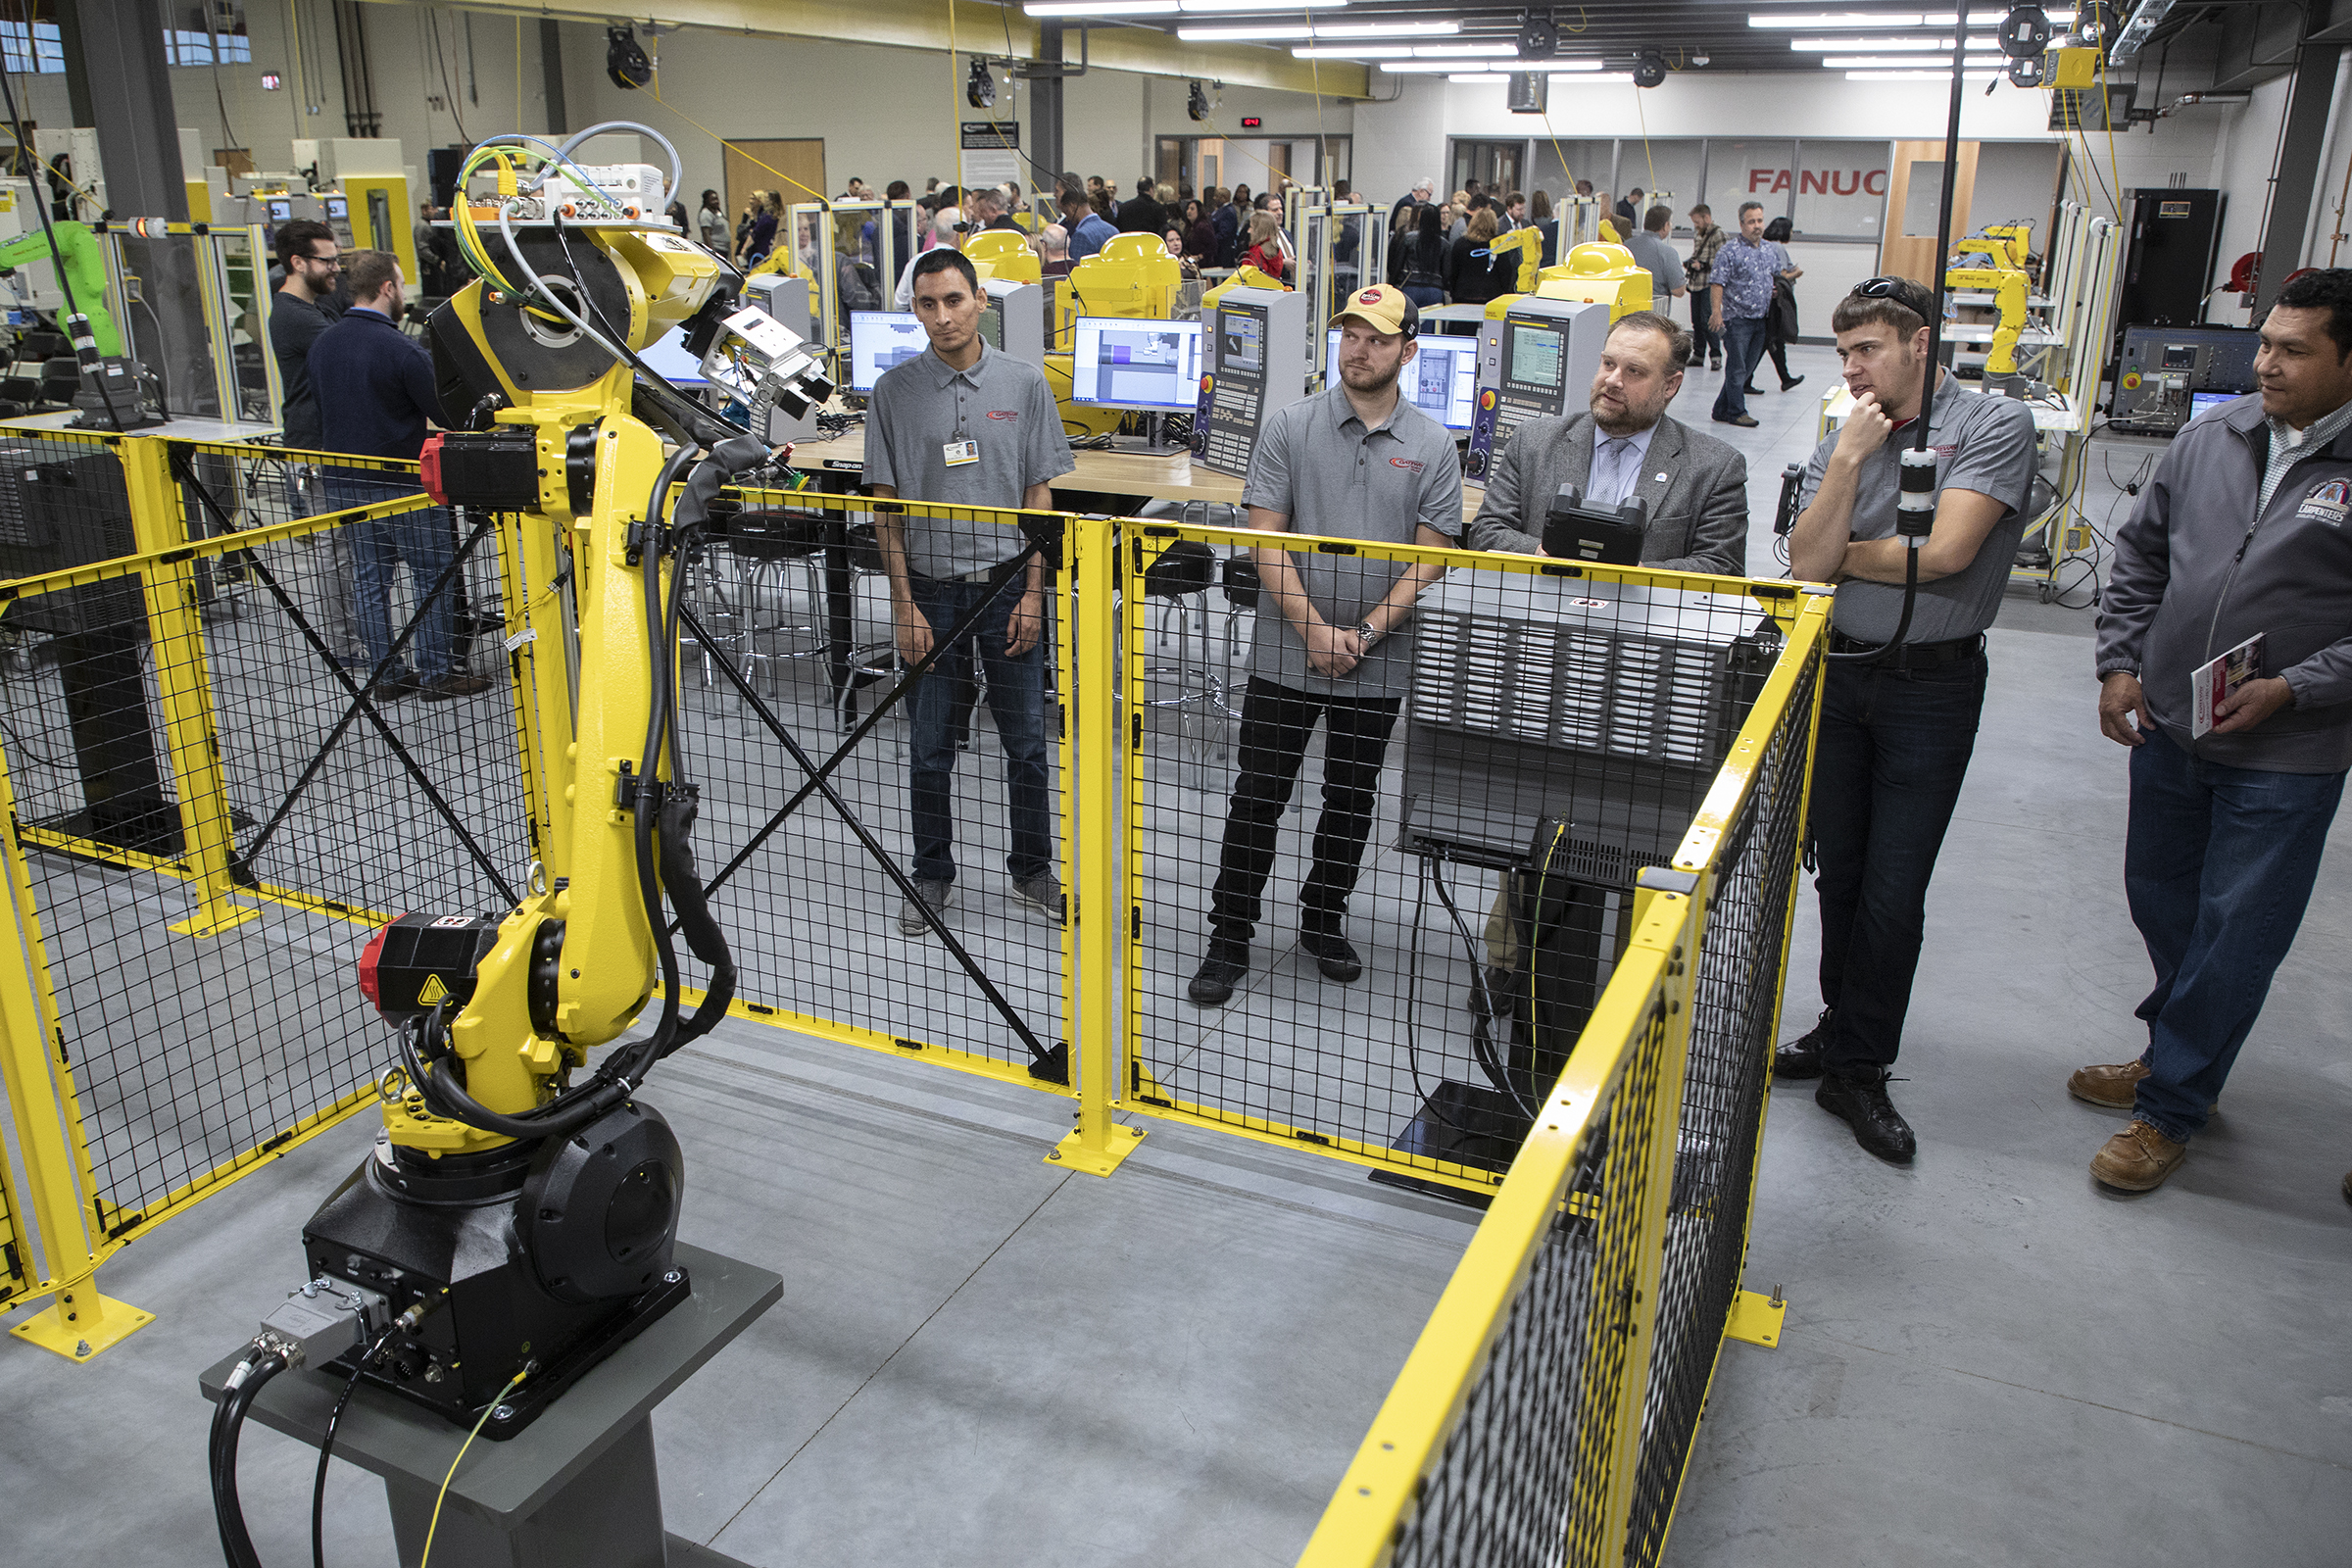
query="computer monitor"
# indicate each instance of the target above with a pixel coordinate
(1122, 363)
(282, 210)
(669, 357)
(1441, 381)
(2200, 404)
(338, 206)
(879, 340)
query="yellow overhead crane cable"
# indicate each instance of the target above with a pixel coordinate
(732, 147)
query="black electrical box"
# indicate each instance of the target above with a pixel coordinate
(2168, 256)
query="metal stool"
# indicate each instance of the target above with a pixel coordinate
(770, 548)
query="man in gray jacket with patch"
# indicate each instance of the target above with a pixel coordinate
(1624, 447)
(2243, 534)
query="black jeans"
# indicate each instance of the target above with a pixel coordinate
(1886, 773)
(1276, 723)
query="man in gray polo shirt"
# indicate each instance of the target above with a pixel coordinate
(1359, 461)
(965, 425)
(1896, 732)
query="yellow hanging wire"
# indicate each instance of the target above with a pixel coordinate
(732, 147)
(955, 117)
(1647, 162)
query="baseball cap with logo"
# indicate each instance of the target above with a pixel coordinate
(1383, 307)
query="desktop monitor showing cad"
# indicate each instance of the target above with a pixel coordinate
(879, 340)
(1441, 380)
(1124, 363)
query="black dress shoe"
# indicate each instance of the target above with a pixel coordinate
(1862, 1105)
(1752, 390)
(1791, 384)
(395, 686)
(1801, 1058)
(1333, 954)
(1746, 421)
(1213, 982)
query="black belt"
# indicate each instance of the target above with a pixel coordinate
(991, 576)
(1913, 656)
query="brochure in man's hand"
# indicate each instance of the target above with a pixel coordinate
(2210, 684)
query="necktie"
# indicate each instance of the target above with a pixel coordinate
(1609, 461)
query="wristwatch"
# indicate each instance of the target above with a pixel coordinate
(1368, 634)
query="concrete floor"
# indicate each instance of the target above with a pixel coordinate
(982, 1359)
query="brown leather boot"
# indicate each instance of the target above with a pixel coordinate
(2113, 1086)
(2137, 1159)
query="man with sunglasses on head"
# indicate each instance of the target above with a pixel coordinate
(300, 312)
(1898, 723)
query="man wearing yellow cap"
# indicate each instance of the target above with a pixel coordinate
(1332, 645)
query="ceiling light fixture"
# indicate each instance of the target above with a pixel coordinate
(1904, 42)
(1260, 5)
(1899, 62)
(1549, 68)
(1834, 20)
(1921, 76)
(1102, 8)
(1313, 31)
(1369, 51)
(1606, 79)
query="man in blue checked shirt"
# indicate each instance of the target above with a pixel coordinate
(1742, 289)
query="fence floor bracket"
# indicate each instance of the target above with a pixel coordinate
(1071, 1154)
(211, 924)
(1756, 1319)
(81, 1322)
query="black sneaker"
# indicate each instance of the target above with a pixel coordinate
(1333, 956)
(1213, 982)
(394, 685)
(1801, 1058)
(1792, 384)
(1862, 1105)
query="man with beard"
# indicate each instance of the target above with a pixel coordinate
(1694, 487)
(1331, 646)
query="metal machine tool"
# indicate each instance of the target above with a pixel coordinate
(515, 1221)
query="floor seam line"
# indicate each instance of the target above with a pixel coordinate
(884, 1364)
(2076, 1398)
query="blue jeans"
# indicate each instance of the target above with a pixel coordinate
(424, 542)
(1886, 772)
(2218, 864)
(1017, 697)
(1706, 342)
(329, 588)
(1742, 347)
(1427, 296)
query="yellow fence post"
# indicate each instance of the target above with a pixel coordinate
(1097, 1143)
(176, 629)
(1663, 1118)
(39, 1081)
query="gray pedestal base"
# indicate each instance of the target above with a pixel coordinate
(580, 1485)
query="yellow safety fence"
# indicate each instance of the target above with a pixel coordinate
(1565, 1009)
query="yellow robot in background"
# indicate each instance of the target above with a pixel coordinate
(1529, 243)
(2007, 286)
(1596, 271)
(1002, 253)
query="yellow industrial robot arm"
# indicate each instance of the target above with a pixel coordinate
(1529, 243)
(2008, 289)
(579, 449)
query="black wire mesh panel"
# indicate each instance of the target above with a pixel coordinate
(12, 1280)
(1524, 1477)
(1376, 907)
(1735, 1013)
(409, 803)
(787, 644)
(199, 1045)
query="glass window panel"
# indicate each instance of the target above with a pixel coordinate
(1747, 172)
(1669, 166)
(1841, 189)
(1546, 173)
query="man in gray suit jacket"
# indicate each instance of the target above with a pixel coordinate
(1694, 486)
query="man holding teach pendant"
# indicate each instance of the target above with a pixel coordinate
(964, 424)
